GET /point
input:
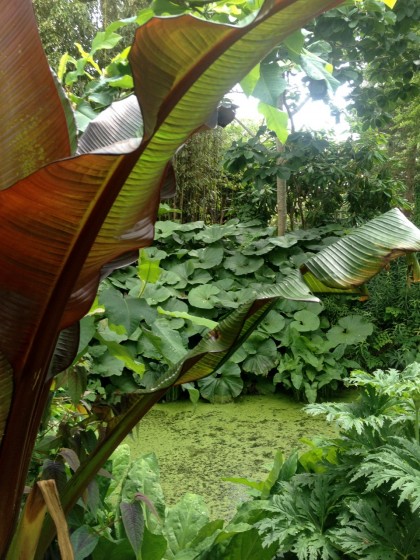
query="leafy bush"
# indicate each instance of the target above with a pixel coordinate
(327, 180)
(147, 317)
(355, 496)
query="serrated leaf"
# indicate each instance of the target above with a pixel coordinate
(183, 521)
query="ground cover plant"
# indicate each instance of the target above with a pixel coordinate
(355, 496)
(68, 220)
(148, 316)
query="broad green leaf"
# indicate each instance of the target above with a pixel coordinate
(105, 40)
(276, 120)
(273, 323)
(250, 81)
(183, 521)
(350, 330)
(201, 276)
(112, 550)
(193, 318)
(240, 265)
(270, 85)
(234, 299)
(204, 296)
(167, 341)
(119, 352)
(263, 355)
(125, 311)
(305, 321)
(155, 294)
(223, 386)
(318, 69)
(143, 476)
(295, 42)
(209, 257)
(149, 270)
(247, 545)
(76, 383)
(153, 546)
(354, 259)
(121, 462)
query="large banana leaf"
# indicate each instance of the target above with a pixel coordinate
(63, 222)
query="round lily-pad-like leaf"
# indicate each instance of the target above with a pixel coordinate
(273, 323)
(350, 330)
(284, 241)
(154, 294)
(259, 247)
(263, 349)
(235, 299)
(223, 386)
(208, 257)
(305, 321)
(201, 276)
(240, 264)
(203, 296)
(262, 358)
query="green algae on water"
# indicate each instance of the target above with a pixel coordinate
(199, 445)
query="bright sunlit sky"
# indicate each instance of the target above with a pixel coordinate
(314, 115)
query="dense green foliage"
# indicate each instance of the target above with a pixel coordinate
(327, 180)
(147, 318)
(352, 496)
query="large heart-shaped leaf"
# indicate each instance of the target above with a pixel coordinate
(223, 386)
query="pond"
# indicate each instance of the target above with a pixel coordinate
(198, 446)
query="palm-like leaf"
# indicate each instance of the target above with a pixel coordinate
(34, 129)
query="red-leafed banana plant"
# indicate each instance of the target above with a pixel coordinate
(67, 220)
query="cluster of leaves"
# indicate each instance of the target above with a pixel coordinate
(147, 317)
(124, 515)
(327, 180)
(380, 44)
(354, 496)
(394, 304)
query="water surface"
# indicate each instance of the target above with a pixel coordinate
(198, 446)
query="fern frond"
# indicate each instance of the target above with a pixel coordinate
(372, 531)
(397, 463)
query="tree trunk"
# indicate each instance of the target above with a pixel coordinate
(281, 186)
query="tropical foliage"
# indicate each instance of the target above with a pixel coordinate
(89, 213)
(69, 219)
(147, 317)
(352, 496)
(328, 181)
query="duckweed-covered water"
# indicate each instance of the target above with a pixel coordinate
(198, 446)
